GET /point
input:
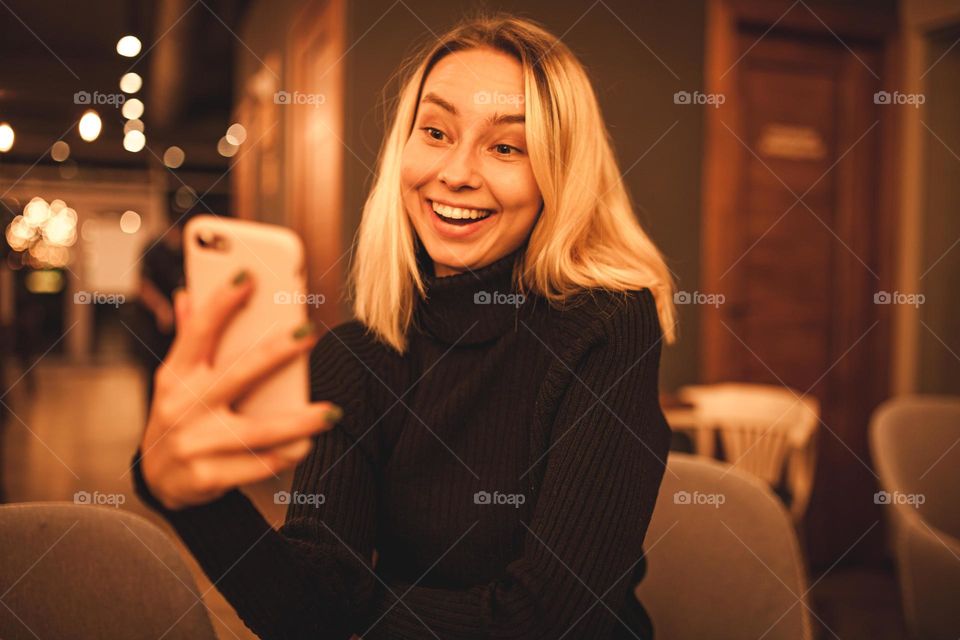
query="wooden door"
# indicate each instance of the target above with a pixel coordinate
(795, 237)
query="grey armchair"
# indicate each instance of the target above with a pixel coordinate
(723, 558)
(76, 571)
(915, 441)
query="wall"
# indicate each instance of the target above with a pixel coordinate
(939, 364)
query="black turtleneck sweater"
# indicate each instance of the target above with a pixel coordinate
(504, 469)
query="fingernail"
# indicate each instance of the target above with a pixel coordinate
(333, 414)
(240, 277)
(303, 331)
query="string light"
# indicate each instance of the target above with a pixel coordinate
(131, 82)
(6, 137)
(236, 134)
(134, 141)
(90, 125)
(174, 157)
(60, 151)
(128, 46)
(132, 109)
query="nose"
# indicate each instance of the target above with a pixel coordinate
(460, 170)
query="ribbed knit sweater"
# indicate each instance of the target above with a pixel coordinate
(502, 471)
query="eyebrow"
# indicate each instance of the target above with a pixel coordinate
(495, 119)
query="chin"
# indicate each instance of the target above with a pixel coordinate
(453, 259)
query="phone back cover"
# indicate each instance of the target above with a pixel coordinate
(274, 256)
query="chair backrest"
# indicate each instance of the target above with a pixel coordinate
(723, 558)
(916, 449)
(915, 441)
(758, 424)
(78, 571)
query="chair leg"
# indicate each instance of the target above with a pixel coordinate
(705, 442)
(800, 472)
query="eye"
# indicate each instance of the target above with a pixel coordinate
(505, 149)
(430, 131)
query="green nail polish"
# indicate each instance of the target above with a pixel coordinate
(333, 414)
(240, 277)
(303, 331)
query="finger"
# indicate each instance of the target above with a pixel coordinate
(181, 306)
(293, 451)
(181, 315)
(268, 357)
(228, 470)
(238, 434)
(202, 332)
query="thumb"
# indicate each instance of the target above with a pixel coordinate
(181, 306)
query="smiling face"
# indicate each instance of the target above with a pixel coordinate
(467, 182)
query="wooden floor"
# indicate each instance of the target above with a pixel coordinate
(81, 424)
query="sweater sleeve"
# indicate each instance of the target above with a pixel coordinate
(609, 444)
(313, 577)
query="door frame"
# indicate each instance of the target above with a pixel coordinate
(721, 185)
(315, 151)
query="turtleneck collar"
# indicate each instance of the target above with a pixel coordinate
(471, 307)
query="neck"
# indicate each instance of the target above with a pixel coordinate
(472, 306)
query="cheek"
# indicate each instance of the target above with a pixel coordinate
(406, 168)
(518, 191)
(417, 165)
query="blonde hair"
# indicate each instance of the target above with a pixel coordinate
(587, 235)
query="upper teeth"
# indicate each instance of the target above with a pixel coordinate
(459, 214)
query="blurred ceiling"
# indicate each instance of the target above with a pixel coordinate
(50, 50)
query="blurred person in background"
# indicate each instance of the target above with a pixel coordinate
(161, 273)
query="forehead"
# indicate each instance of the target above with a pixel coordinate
(459, 76)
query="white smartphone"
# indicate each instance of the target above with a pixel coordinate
(215, 250)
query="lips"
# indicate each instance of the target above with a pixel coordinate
(459, 228)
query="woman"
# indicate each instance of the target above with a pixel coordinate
(500, 443)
